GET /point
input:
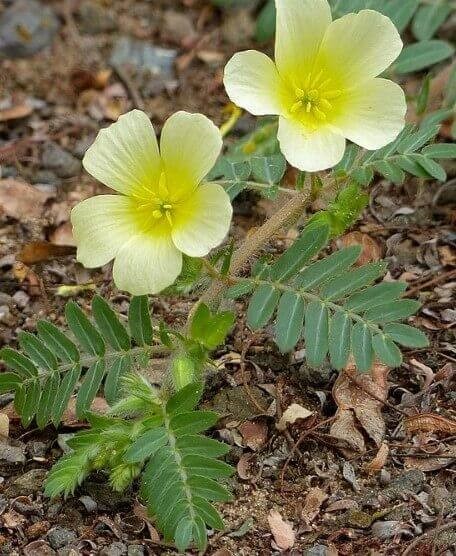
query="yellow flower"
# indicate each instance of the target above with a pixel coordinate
(165, 208)
(323, 83)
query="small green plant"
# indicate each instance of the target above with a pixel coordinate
(165, 226)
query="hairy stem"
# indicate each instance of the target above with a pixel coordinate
(287, 215)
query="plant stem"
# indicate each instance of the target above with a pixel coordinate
(287, 215)
(260, 186)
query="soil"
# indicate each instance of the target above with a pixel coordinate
(52, 103)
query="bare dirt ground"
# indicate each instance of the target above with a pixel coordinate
(305, 490)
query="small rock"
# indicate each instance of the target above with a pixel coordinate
(12, 454)
(60, 537)
(384, 530)
(28, 483)
(106, 498)
(36, 449)
(5, 299)
(3, 503)
(358, 519)
(26, 28)
(89, 503)
(37, 529)
(63, 163)
(238, 27)
(94, 18)
(38, 548)
(21, 299)
(136, 550)
(45, 177)
(409, 482)
(114, 549)
(5, 315)
(318, 550)
(8, 172)
(178, 27)
(81, 146)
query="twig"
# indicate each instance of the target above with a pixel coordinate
(434, 532)
(244, 351)
(374, 396)
(304, 435)
(440, 278)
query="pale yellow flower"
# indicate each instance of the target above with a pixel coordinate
(164, 208)
(323, 84)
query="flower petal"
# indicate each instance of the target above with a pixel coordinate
(101, 226)
(190, 145)
(203, 222)
(301, 25)
(125, 156)
(360, 46)
(309, 151)
(253, 82)
(374, 114)
(147, 264)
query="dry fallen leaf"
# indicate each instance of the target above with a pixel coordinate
(39, 251)
(254, 434)
(4, 425)
(432, 462)
(355, 405)
(312, 504)
(291, 415)
(63, 235)
(429, 422)
(12, 519)
(20, 200)
(282, 531)
(15, 112)
(379, 461)
(372, 251)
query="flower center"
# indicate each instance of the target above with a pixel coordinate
(159, 205)
(313, 99)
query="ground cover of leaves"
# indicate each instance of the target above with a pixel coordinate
(325, 465)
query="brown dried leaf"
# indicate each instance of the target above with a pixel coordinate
(4, 425)
(63, 235)
(12, 519)
(254, 434)
(312, 504)
(291, 415)
(379, 461)
(351, 394)
(20, 200)
(429, 422)
(284, 535)
(39, 251)
(15, 112)
(372, 251)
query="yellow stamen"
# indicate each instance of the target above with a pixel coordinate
(296, 106)
(299, 92)
(319, 114)
(325, 104)
(168, 217)
(313, 94)
(157, 214)
(308, 107)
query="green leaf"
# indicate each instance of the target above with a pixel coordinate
(29, 403)
(209, 489)
(117, 369)
(196, 464)
(390, 311)
(109, 325)
(423, 96)
(262, 306)
(352, 280)
(411, 142)
(210, 329)
(139, 320)
(303, 249)
(240, 289)
(84, 330)
(192, 422)
(406, 335)
(65, 391)
(9, 382)
(440, 150)
(429, 18)
(361, 341)
(390, 170)
(266, 22)
(183, 534)
(399, 11)
(49, 393)
(377, 295)
(432, 168)
(18, 363)
(89, 387)
(316, 333)
(57, 342)
(321, 271)
(339, 340)
(269, 169)
(208, 513)
(290, 318)
(412, 166)
(146, 445)
(421, 55)
(387, 351)
(37, 351)
(186, 399)
(194, 444)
